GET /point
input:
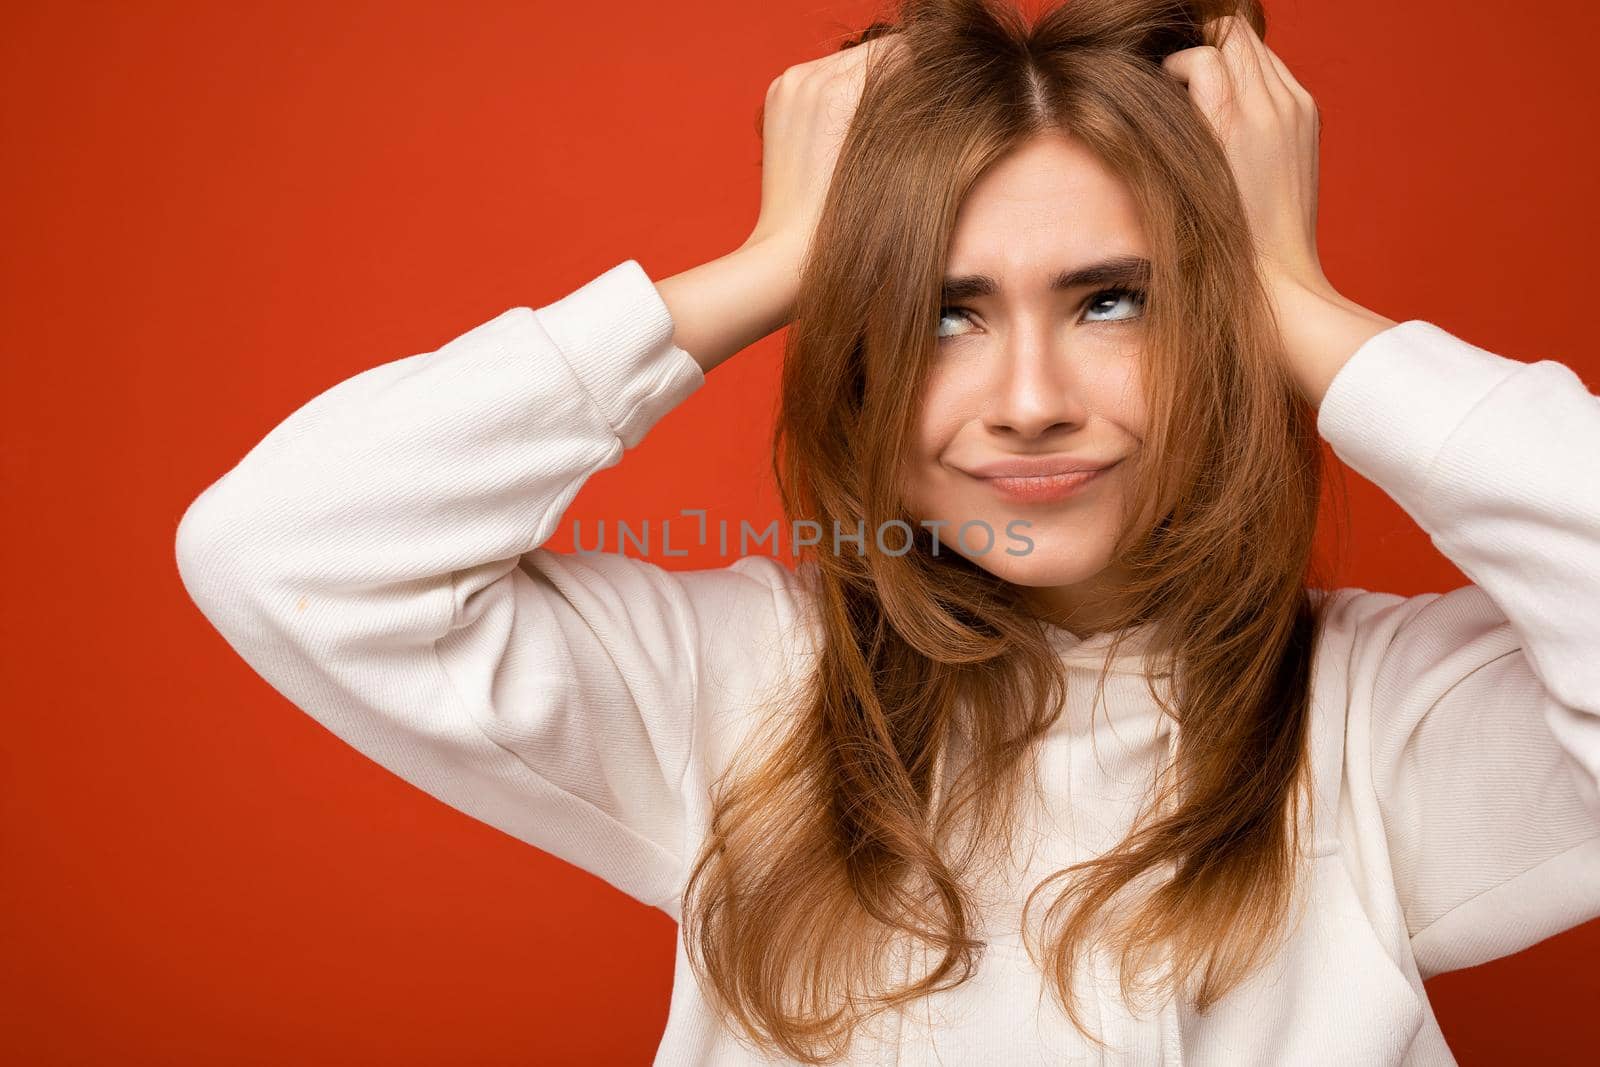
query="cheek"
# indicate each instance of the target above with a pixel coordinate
(1129, 412)
(946, 409)
(1112, 381)
(952, 399)
(1125, 401)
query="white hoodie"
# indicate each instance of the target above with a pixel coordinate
(377, 559)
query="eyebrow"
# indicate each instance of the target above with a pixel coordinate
(1118, 270)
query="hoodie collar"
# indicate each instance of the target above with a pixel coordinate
(1133, 657)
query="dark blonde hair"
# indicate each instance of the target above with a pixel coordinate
(827, 851)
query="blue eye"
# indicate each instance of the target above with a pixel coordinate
(1133, 297)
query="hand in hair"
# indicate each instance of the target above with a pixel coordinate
(807, 112)
(1268, 126)
(722, 306)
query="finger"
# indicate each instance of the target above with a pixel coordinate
(873, 46)
(863, 56)
(852, 63)
(1284, 74)
(1204, 72)
(846, 64)
(1273, 72)
(1244, 67)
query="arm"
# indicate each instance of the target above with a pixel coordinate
(376, 558)
(1478, 710)
(730, 303)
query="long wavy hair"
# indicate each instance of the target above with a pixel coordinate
(828, 849)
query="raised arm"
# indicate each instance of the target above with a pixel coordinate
(377, 559)
(1475, 714)
(1474, 717)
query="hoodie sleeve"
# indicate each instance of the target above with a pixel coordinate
(377, 559)
(1480, 707)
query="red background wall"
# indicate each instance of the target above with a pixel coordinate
(214, 211)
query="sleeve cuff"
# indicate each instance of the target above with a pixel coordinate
(615, 332)
(1390, 409)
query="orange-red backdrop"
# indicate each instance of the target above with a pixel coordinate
(213, 211)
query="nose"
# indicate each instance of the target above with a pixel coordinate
(1033, 392)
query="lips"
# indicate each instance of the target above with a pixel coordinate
(1037, 467)
(1043, 489)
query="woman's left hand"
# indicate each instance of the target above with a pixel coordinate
(1268, 126)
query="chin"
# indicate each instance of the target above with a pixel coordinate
(1042, 561)
(1038, 570)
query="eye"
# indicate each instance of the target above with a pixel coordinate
(1117, 295)
(1132, 297)
(950, 313)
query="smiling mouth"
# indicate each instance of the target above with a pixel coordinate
(1043, 488)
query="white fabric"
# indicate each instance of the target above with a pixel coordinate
(377, 559)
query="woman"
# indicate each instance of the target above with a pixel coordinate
(1059, 281)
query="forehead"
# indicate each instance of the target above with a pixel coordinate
(1047, 205)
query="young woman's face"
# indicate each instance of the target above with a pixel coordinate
(1031, 374)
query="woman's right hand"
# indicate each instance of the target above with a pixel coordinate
(807, 113)
(729, 303)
